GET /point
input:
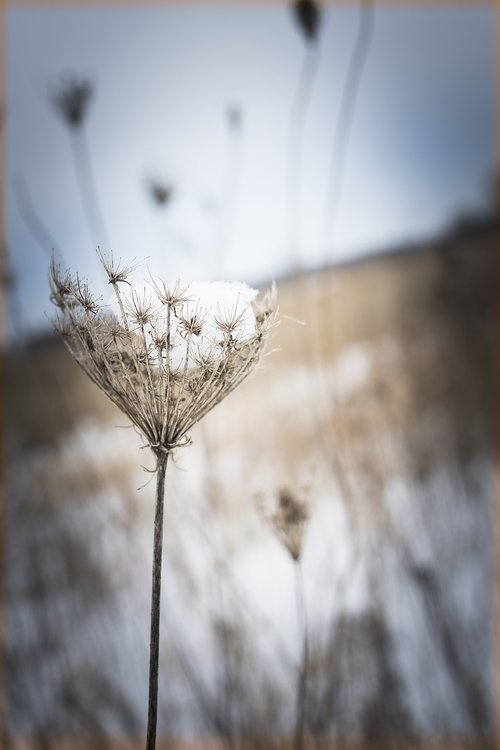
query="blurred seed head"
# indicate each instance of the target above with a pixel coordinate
(308, 16)
(287, 517)
(71, 99)
(163, 353)
(160, 192)
(234, 118)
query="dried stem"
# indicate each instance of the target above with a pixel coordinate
(123, 356)
(304, 664)
(87, 187)
(298, 117)
(154, 646)
(345, 120)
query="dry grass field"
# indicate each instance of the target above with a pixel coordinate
(376, 411)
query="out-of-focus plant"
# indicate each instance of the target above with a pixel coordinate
(343, 129)
(71, 99)
(231, 187)
(234, 117)
(288, 520)
(32, 220)
(308, 17)
(160, 192)
(166, 358)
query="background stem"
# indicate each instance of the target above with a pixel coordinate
(88, 190)
(298, 117)
(154, 644)
(344, 125)
(304, 663)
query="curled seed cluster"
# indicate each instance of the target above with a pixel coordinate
(72, 98)
(288, 520)
(161, 354)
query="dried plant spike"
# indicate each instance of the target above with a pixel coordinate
(308, 16)
(160, 340)
(165, 353)
(117, 272)
(71, 98)
(288, 519)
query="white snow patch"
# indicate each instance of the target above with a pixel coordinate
(352, 368)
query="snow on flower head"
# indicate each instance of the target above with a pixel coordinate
(208, 310)
(165, 352)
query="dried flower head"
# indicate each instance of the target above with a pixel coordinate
(234, 117)
(307, 15)
(116, 271)
(72, 98)
(288, 520)
(161, 193)
(165, 353)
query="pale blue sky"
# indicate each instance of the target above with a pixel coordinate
(420, 152)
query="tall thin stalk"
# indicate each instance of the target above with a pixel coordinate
(298, 117)
(88, 189)
(233, 173)
(128, 356)
(154, 644)
(345, 120)
(304, 662)
(71, 99)
(32, 220)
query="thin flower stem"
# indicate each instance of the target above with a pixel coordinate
(149, 394)
(177, 409)
(88, 190)
(32, 220)
(166, 399)
(232, 189)
(296, 133)
(154, 646)
(344, 125)
(298, 740)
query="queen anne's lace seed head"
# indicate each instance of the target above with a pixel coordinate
(165, 352)
(288, 519)
(117, 271)
(71, 99)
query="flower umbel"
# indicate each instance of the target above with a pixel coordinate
(288, 519)
(161, 352)
(72, 98)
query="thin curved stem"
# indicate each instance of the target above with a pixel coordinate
(154, 644)
(345, 118)
(232, 189)
(88, 190)
(298, 116)
(304, 663)
(32, 220)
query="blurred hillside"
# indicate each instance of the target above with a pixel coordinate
(377, 409)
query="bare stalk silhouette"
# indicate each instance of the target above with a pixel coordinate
(308, 17)
(165, 359)
(32, 220)
(288, 520)
(231, 186)
(71, 100)
(154, 651)
(345, 118)
(304, 663)
(88, 189)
